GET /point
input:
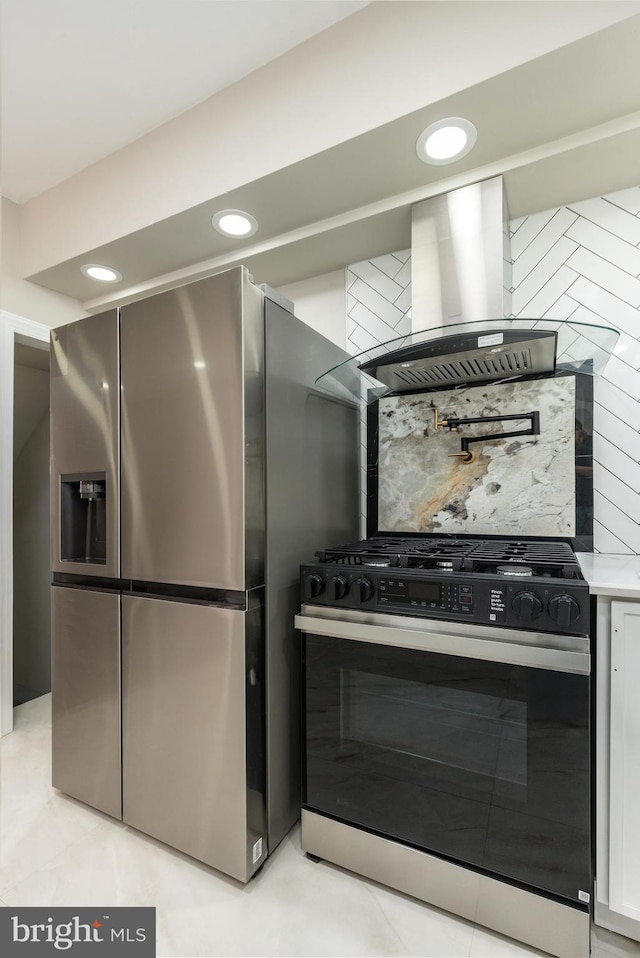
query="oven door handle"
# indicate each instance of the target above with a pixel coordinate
(511, 653)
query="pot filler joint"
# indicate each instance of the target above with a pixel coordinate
(467, 455)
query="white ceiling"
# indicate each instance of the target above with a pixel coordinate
(561, 126)
(82, 78)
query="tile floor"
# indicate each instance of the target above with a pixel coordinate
(56, 851)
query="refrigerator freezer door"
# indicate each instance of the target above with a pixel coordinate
(193, 435)
(85, 636)
(193, 744)
(85, 434)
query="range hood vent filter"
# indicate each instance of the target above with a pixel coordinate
(460, 359)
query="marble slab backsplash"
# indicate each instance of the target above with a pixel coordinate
(520, 486)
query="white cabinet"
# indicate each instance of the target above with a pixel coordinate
(617, 903)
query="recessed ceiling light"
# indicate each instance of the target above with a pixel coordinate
(234, 223)
(446, 141)
(104, 274)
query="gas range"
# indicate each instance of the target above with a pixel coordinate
(534, 585)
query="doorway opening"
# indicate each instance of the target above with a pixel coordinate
(31, 576)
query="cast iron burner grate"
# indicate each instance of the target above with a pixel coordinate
(480, 556)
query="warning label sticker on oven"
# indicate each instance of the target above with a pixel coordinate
(496, 605)
(497, 600)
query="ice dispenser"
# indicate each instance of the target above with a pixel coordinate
(83, 518)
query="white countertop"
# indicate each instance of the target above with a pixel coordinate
(616, 575)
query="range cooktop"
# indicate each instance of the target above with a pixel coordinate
(502, 557)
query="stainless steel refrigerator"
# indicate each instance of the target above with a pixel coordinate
(194, 466)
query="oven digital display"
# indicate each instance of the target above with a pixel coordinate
(405, 591)
(425, 592)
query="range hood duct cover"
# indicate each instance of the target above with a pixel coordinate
(461, 257)
(465, 358)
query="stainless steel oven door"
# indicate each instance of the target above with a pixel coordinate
(469, 742)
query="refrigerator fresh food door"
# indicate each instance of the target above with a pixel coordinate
(193, 719)
(193, 435)
(85, 433)
(85, 638)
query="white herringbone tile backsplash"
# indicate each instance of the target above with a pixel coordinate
(579, 262)
(378, 300)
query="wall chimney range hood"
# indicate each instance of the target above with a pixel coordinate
(461, 311)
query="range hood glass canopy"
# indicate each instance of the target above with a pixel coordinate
(449, 359)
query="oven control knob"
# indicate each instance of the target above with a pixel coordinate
(564, 610)
(313, 585)
(340, 586)
(365, 589)
(527, 606)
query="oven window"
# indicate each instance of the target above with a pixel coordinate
(471, 731)
(481, 762)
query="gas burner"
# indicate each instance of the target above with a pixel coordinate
(378, 562)
(445, 564)
(517, 571)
